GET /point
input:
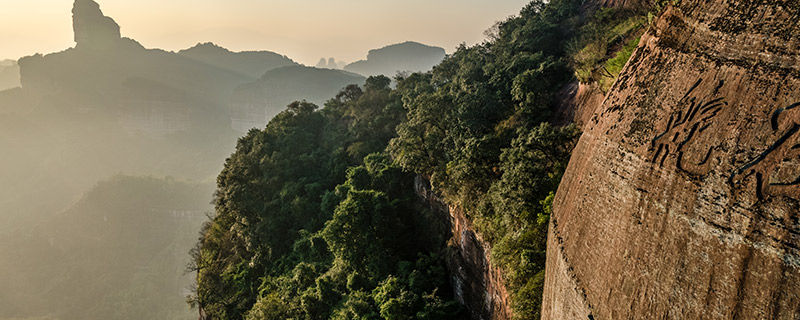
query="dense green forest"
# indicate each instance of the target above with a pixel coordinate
(316, 216)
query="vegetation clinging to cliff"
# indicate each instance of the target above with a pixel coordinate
(315, 221)
(478, 126)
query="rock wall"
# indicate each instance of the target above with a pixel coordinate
(578, 103)
(682, 198)
(478, 285)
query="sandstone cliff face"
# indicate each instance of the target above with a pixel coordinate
(682, 198)
(578, 103)
(478, 285)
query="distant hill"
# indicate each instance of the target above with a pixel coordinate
(249, 63)
(330, 63)
(407, 56)
(110, 105)
(9, 74)
(255, 103)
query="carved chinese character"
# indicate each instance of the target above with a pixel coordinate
(684, 126)
(776, 171)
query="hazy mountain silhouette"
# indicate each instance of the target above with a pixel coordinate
(330, 63)
(249, 63)
(93, 29)
(110, 105)
(117, 253)
(269, 95)
(389, 60)
(9, 74)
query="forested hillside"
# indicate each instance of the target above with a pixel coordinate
(316, 216)
(117, 253)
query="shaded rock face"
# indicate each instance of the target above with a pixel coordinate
(578, 103)
(92, 28)
(682, 198)
(478, 285)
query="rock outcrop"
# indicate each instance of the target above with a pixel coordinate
(9, 74)
(92, 28)
(682, 198)
(479, 286)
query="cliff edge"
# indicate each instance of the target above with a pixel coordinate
(681, 199)
(477, 283)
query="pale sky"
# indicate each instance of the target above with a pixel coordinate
(304, 30)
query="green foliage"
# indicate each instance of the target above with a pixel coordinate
(360, 232)
(478, 127)
(614, 65)
(309, 220)
(317, 210)
(606, 33)
(462, 114)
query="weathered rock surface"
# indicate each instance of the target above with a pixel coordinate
(682, 198)
(479, 286)
(578, 103)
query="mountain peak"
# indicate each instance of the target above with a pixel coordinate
(400, 57)
(208, 47)
(92, 28)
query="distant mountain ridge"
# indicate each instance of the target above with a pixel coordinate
(402, 57)
(255, 103)
(111, 105)
(249, 63)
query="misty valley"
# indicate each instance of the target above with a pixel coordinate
(111, 151)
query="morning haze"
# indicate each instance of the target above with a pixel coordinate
(116, 118)
(303, 30)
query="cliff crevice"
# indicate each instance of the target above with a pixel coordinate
(479, 286)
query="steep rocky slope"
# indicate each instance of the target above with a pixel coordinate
(681, 199)
(478, 284)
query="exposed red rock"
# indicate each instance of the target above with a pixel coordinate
(478, 285)
(578, 103)
(682, 198)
